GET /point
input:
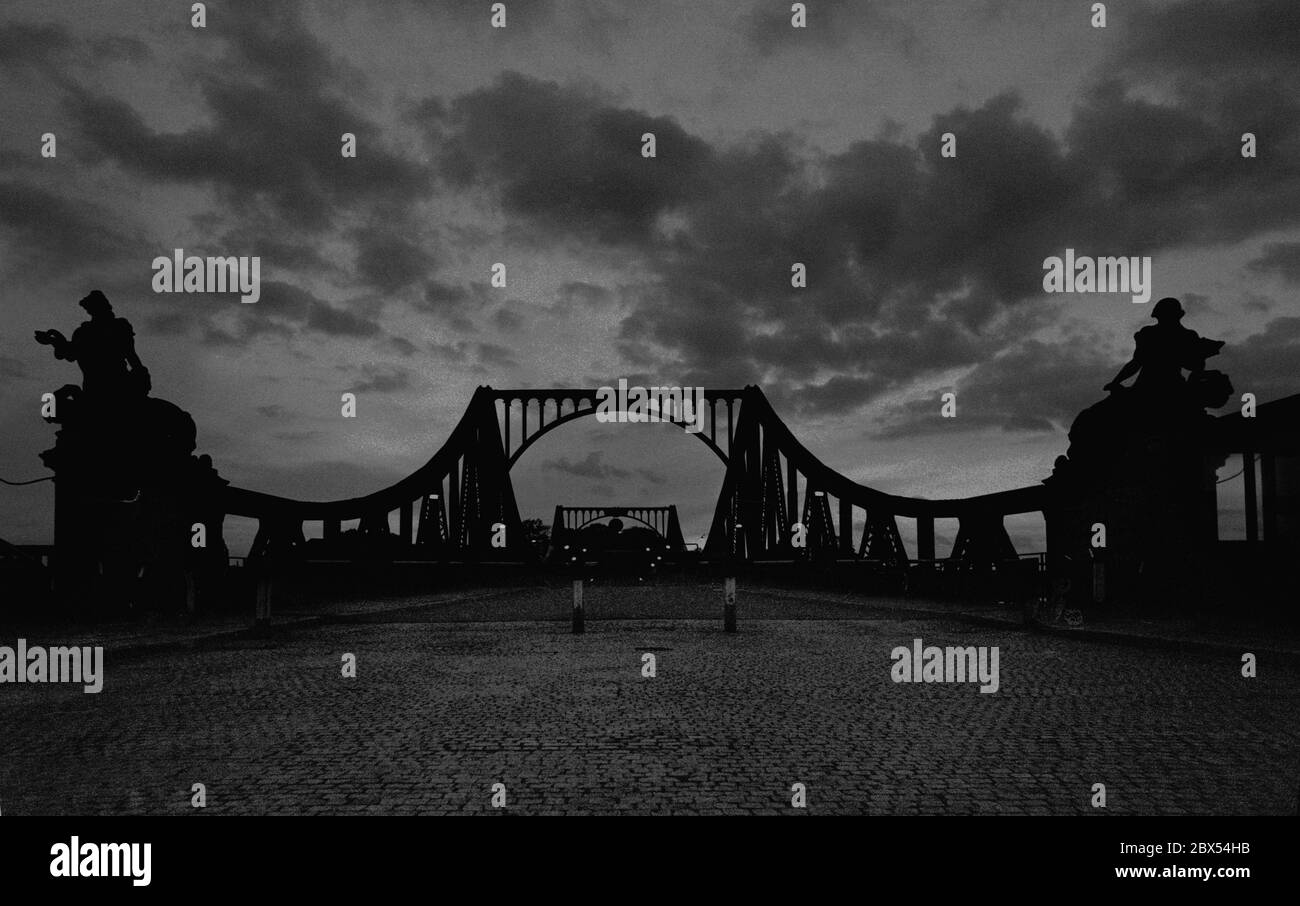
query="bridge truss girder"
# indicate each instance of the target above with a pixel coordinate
(447, 508)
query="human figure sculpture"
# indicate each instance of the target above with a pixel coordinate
(1137, 464)
(129, 488)
(104, 349)
(1162, 351)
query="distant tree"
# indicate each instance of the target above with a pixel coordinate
(537, 534)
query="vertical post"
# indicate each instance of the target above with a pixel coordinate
(925, 537)
(507, 415)
(846, 527)
(404, 522)
(792, 496)
(1252, 503)
(1268, 478)
(1098, 580)
(579, 623)
(262, 609)
(455, 527)
(729, 604)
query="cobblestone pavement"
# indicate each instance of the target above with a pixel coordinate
(440, 711)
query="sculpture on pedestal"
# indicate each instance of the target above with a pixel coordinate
(1135, 490)
(128, 489)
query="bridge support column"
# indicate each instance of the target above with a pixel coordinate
(792, 496)
(1252, 501)
(405, 522)
(1268, 478)
(925, 537)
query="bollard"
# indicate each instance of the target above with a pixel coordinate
(262, 612)
(729, 604)
(578, 622)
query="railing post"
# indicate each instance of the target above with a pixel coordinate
(729, 604)
(262, 609)
(579, 623)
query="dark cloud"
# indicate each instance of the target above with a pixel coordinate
(1211, 39)
(829, 24)
(591, 466)
(390, 261)
(382, 379)
(403, 345)
(50, 48)
(508, 320)
(589, 24)
(1033, 387)
(338, 322)
(284, 255)
(1280, 258)
(283, 310)
(883, 229)
(494, 355)
(522, 19)
(285, 303)
(274, 102)
(277, 110)
(565, 160)
(25, 43)
(917, 264)
(439, 295)
(452, 352)
(588, 294)
(452, 304)
(1265, 363)
(53, 234)
(1257, 303)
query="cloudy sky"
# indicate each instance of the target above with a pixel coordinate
(522, 146)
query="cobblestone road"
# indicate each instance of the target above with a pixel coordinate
(440, 711)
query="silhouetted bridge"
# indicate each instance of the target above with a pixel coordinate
(447, 508)
(662, 520)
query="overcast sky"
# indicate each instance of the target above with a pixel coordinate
(522, 145)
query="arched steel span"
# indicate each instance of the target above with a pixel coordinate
(760, 503)
(583, 403)
(661, 519)
(449, 505)
(594, 519)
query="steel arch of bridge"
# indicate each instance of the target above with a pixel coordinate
(662, 520)
(447, 508)
(583, 403)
